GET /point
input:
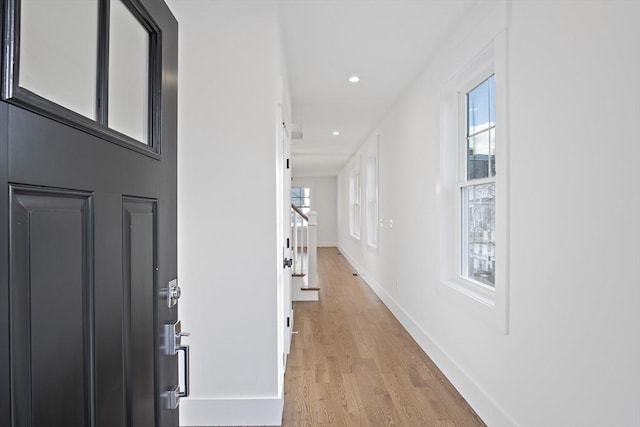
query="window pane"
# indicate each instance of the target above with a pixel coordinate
(354, 204)
(300, 197)
(478, 229)
(128, 74)
(58, 52)
(478, 108)
(492, 100)
(478, 151)
(357, 219)
(372, 223)
(372, 201)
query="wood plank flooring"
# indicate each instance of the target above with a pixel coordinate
(353, 364)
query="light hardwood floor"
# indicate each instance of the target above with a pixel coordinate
(353, 364)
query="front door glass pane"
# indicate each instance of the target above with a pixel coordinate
(128, 74)
(58, 52)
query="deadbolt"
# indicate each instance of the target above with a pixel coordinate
(173, 293)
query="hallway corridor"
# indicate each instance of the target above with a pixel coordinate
(353, 364)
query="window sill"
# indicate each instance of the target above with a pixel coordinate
(476, 292)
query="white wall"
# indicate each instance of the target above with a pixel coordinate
(323, 201)
(367, 255)
(228, 261)
(571, 356)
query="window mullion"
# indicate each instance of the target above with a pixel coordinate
(471, 135)
(479, 181)
(102, 80)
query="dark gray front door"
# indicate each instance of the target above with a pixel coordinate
(88, 245)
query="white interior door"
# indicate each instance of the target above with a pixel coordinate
(286, 238)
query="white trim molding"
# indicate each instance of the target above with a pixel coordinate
(252, 411)
(487, 408)
(492, 59)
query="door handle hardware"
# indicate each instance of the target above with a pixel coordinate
(187, 389)
(287, 262)
(173, 334)
(172, 293)
(170, 397)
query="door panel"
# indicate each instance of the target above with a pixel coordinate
(51, 291)
(139, 290)
(109, 313)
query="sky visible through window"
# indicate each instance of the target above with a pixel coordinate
(482, 107)
(481, 112)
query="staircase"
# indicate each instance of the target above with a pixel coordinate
(304, 278)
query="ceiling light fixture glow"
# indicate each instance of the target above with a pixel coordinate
(354, 79)
(336, 133)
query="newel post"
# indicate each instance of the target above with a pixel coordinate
(312, 245)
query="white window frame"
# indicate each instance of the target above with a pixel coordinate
(489, 302)
(372, 209)
(303, 186)
(306, 209)
(355, 211)
(483, 73)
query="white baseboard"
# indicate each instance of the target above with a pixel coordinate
(490, 412)
(327, 244)
(259, 411)
(300, 295)
(297, 294)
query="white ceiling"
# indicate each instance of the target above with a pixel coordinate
(385, 42)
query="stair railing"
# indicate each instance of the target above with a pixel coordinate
(300, 231)
(305, 242)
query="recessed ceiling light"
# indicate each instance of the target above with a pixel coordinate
(354, 79)
(336, 133)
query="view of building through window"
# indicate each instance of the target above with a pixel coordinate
(478, 186)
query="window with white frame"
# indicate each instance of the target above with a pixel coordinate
(477, 185)
(474, 182)
(301, 199)
(354, 204)
(372, 201)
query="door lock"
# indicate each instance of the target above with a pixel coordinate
(173, 293)
(288, 262)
